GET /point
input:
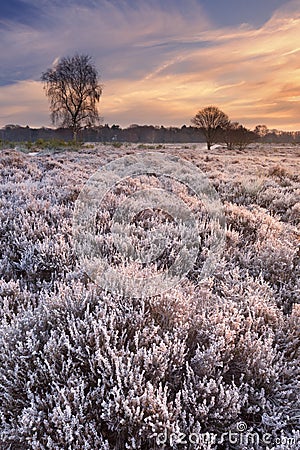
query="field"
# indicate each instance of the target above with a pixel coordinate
(208, 364)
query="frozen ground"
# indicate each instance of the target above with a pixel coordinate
(82, 368)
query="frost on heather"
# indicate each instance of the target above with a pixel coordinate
(84, 369)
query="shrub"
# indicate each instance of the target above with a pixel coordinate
(81, 368)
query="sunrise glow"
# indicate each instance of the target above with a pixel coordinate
(159, 62)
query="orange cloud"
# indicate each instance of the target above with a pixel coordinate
(167, 66)
(253, 74)
(24, 103)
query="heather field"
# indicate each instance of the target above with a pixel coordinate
(213, 363)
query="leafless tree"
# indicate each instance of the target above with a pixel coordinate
(237, 136)
(244, 137)
(73, 89)
(229, 134)
(210, 120)
(261, 130)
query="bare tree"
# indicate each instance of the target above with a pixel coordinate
(210, 120)
(229, 134)
(73, 90)
(261, 130)
(244, 137)
(236, 135)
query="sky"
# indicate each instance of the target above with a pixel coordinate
(159, 61)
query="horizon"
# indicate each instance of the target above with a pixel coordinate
(159, 62)
(52, 127)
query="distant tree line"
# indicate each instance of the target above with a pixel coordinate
(237, 136)
(106, 133)
(216, 127)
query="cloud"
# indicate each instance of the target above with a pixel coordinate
(122, 36)
(253, 74)
(29, 105)
(159, 63)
